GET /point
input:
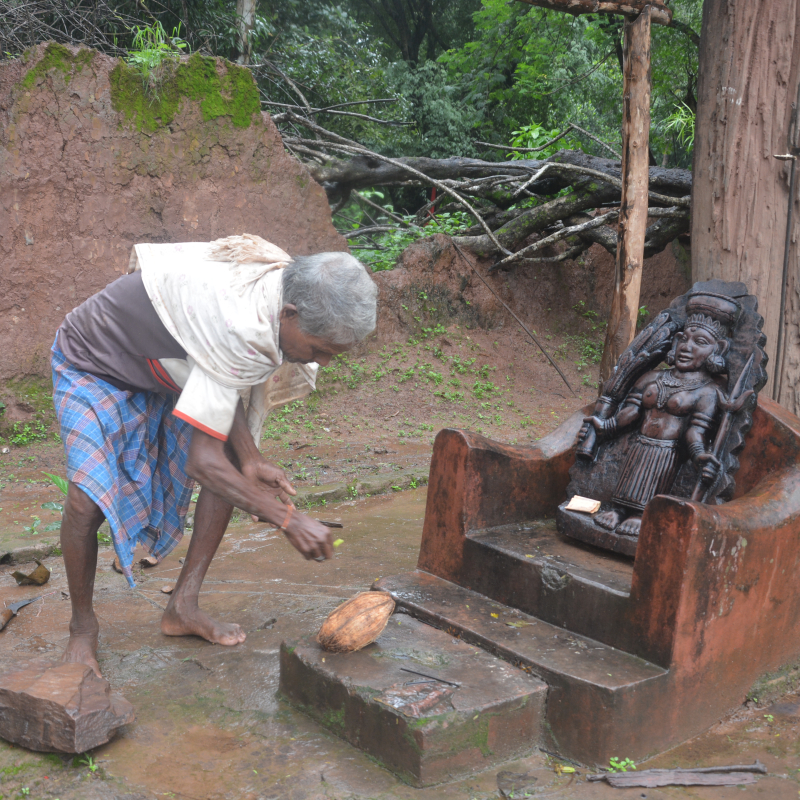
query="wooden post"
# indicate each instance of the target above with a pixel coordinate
(635, 183)
(659, 13)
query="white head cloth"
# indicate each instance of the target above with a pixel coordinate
(222, 301)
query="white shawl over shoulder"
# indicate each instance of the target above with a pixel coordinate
(221, 301)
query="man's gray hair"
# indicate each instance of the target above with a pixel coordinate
(334, 295)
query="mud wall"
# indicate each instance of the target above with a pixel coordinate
(91, 163)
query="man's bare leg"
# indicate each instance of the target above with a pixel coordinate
(183, 616)
(82, 518)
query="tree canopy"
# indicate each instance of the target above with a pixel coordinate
(426, 79)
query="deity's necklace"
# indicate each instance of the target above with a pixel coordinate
(670, 384)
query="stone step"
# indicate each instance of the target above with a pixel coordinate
(481, 712)
(530, 566)
(600, 698)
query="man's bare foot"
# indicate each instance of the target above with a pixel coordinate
(630, 527)
(82, 645)
(608, 519)
(197, 623)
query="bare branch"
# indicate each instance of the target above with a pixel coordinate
(367, 231)
(278, 118)
(389, 214)
(565, 232)
(596, 139)
(347, 145)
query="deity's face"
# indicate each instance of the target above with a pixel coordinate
(694, 346)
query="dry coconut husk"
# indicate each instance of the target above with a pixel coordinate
(356, 623)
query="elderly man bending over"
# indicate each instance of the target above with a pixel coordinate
(149, 379)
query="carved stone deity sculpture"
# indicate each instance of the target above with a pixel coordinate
(673, 428)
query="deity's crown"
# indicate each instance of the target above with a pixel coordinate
(714, 312)
(713, 326)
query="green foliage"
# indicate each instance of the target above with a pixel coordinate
(27, 433)
(620, 765)
(152, 50)
(681, 122)
(534, 135)
(444, 124)
(233, 93)
(380, 252)
(60, 483)
(33, 528)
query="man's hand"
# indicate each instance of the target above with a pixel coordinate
(261, 471)
(309, 537)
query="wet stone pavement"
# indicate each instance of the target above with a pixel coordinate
(209, 725)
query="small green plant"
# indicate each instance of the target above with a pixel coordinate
(413, 483)
(620, 764)
(27, 433)
(152, 50)
(769, 717)
(33, 528)
(681, 122)
(88, 761)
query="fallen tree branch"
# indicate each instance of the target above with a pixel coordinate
(536, 219)
(572, 230)
(277, 118)
(366, 171)
(368, 231)
(571, 127)
(340, 142)
(399, 220)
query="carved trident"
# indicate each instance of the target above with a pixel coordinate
(731, 404)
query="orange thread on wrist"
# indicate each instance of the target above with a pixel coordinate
(289, 512)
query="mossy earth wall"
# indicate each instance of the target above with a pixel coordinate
(91, 164)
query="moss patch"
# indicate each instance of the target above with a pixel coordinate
(773, 685)
(57, 57)
(231, 94)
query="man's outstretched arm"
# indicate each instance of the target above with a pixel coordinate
(209, 466)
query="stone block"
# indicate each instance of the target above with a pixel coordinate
(483, 711)
(64, 708)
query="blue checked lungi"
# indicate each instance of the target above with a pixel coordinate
(127, 451)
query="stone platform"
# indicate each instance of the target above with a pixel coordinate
(639, 655)
(481, 712)
(600, 699)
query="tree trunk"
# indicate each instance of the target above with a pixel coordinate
(634, 203)
(246, 13)
(749, 69)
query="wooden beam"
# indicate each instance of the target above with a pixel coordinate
(635, 180)
(659, 13)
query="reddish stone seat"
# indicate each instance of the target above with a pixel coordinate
(713, 596)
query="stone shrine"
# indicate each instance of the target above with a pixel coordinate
(614, 655)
